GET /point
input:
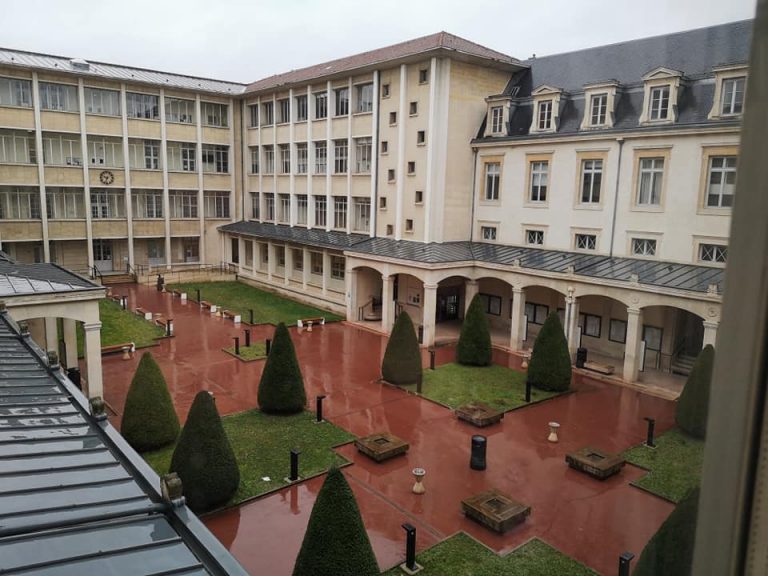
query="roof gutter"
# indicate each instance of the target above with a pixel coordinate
(474, 181)
(616, 197)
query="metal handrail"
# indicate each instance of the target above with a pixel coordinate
(96, 273)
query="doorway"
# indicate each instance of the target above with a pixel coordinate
(448, 303)
(102, 255)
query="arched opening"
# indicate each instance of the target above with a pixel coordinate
(673, 338)
(602, 330)
(408, 296)
(540, 302)
(368, 295)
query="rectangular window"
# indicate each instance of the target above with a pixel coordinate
(283, 111)
(62, 150)
(721, 181)
(364, 98)
(65, 203)
(337, 267)
(409, 225)
(151, 155)
(423, 75)
(536, 313)
(254, 115)
(107, 204)
(659, 105)
(421, 137)
(598, 109)
(321, 157)
(363, 151)
(99, 101)
(713, 253)
(418, 197)
(492, 178)
(269, 207)
(411, 168)
(497, 119)
(342, 101)
(285, 158)
(733, 96)
(183, 203)
(268, 114)
(181, 156)
(297, 255)
(534, 237)
(649, 185)
(545, 115)
(391, 175)
(255, 205)
(390, 230)
(284, 209)
(144, 106)
(316, 261)
(302, 110)
(321, 105)
(301, 158)
(216, 204)
(269, 159)
(385, 90)
(254, 159)
(15, 92)
(19, 204)
(59, 97)
(643, 247)
(179, 111)
(147, 204)
(280, 253)
(340, 156)
(301, 209)
(384, 147)
(339, 212)
(392, 118)
(321, 211)
(491, 304)
(107, 152)
(590, 325)
(17, 147)
(264, 253)
(586, 242)
(215, 158)
(488, 232)
(413, 110)
(591, 181)
(362, 221)
(617, 331)
(382, 202)
(539, 181)
(653, 337)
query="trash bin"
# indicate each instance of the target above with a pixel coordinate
(477, 460)
(581, 357)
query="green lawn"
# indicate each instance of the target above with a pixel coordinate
(461, 555)
(268, 308)
(674, 465)
(262, 446)
(497, 386)
(255, 351)
(119, 326)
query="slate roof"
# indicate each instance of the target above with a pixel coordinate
(17, 278)
(297, 234)
(74, 497)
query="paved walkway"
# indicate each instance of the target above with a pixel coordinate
(589, 520)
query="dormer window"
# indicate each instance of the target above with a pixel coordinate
(733, 96)
(662, 87)
(598, 109)
(497, 115)
(730, 88)
(659, 106)
(497, 119)
(545, 115)
(599, 105)
(546, 109)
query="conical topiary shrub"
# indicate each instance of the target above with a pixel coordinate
(149, 419)
(336, 543)
(402, 358)
(693, 404)
(204, 459)
(670, 551)
(281, 390)
(550, 365)
(474, 346)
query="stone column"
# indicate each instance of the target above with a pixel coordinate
(387, 304)
(307, 268)
(518, 318)
(351, 277)
(51, 335)
(270, 260)
(70, 342)
(710, 332)
(288, 265)
(428, 313)
(632, 348)
(93, 359)
(240, 255)
(470, 291)
(572, 329)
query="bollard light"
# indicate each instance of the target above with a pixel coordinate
(169, 327)
(419, 380)
(431, 359)
(624, 561)
(319, 407)
(237, 345)
(250, 317)
(294, 465)
(649, 436)
(268, 343)
(247, 338)
(197, 291)
(477, 459)
(410, 546)
(527, 390)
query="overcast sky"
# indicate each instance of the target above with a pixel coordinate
(241, 40)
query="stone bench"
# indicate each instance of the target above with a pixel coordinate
(605, 369)
(165, 323)
(146, 314)
(308, 322)
(178, 294)
(479, 414)
(208, 305)
(126, 348)
(231, 316)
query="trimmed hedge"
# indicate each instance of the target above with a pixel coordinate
(550, 365)
(402, 358)
(204, 459)
(336, 543)
(474, 348)
(693, 404)
(670, 551)
(281, 390)
(149, 419)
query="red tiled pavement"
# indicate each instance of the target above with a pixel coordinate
(589, 520)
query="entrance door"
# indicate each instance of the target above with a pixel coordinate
(102, 255)
(448, 302)
(156, 252)
(192, 250)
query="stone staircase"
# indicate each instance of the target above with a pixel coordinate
(109, 279)
(683, 364)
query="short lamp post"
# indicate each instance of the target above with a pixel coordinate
(431, 359)
(624, 560)
(294, 465)
(319, 407)
(268, 345)
(527, 390)
(237, 345)
(410, 565)
(247, 338)
(649, 441)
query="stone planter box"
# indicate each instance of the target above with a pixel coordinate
(495, 510)
(597, 463)
(381, 446)
(479, 414)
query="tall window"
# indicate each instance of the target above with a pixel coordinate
(62, 150)
(255, 205)
(733, 96)
(342, 101)
(301, 209)
(214, 114)
(269, 159)
(145, 106)
(321, 211)
(216, 204)
(283, 111)
(659, 103)
(721, 181)
(19, 204)
(586, 242)
(285, 158)
(713, 253)
(269, 207)
(362, 220)
(545, 115)
(183, 203)
(15, 92)
(254, 159)
(181, 111)
(598, 109)
(301, 158)
(60, 97)
(301, 108)
(284, 212)
(497, 119)
(151, 154)
(65, 203)
(17, 147)
(364, 98)
(337, 267)
(539, 181)
(643, 247)
(316, 261)
(99, 101)
(492, 178)
(268, 114)
(339, 212)
(215, 158)
(321, 157)
(254, 115)
(147, 203)
(107, 204)
(340, 156)
(591, 181)
(321, 105)
(649, 185)
(363, 155)
(181, 156)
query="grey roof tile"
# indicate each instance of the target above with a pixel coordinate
(19, 278)
(298, 234)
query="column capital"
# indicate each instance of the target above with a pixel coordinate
(91, 326)
(430, 286)
(711, 323)
(471, 282)
(517, 290)
(633, 311)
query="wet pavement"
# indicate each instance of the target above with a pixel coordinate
(589, 520)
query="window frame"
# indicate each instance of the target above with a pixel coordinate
(492, 179)
(642, 154)
(531, 161)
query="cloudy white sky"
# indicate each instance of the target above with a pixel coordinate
(241, 40)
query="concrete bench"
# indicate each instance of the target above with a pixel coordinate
(208, 306)
(231, 315)
(126, 348)
(179, 294)
(166, 323)
(605, 369)
(146, 314)
(308, 322)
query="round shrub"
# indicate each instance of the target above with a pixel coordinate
(281, 390)
(336, 543)
(550, 365)
(204, 459)
(402, 358)
(693, 404)
(474, 348)
(149, 419)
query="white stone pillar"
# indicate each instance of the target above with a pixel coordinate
(387, 305)
(710, 332)
(288, 265)
(351, 277)
(632, 348)
(517, 330)
(428, 313)
(93, 359)
(240, 254)
(471, 289)
(51, 335)
(270, 260)
(307, 268)
(70, 342)
(572, 329)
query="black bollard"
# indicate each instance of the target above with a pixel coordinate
(527, 390)
(294, 465)
(268, 343)
(419, 380)
(124, 302)
(651, 427)
(197, 291)
(247, 338)
(410, 546)
(479, 444)
(319, 409)
(237, 345)
(250, 316)
(431, 359)
(624, 561)
(169, 327)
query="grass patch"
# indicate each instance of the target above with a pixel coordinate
(256, 351)
(119, 326)
(268, 308)
(497, 386)
(461, 555)
(262, 444)
(674, 465)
